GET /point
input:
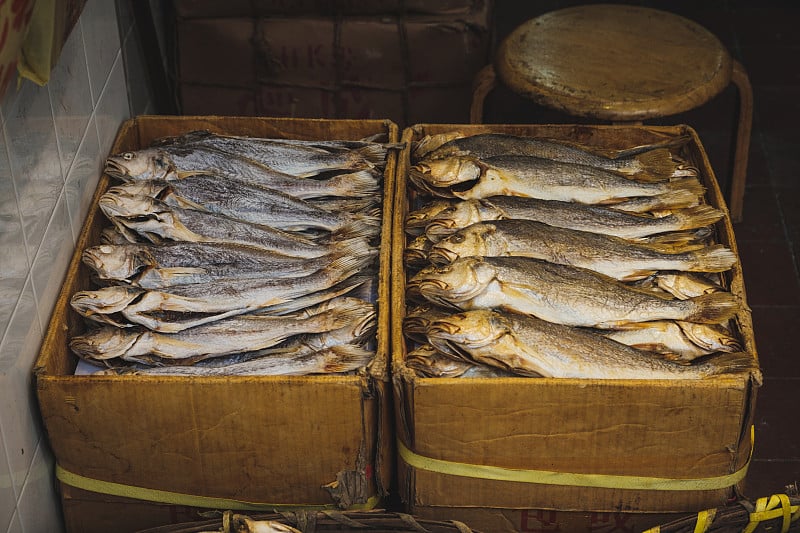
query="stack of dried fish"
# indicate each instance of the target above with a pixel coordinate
(236, 255)
(538, 257)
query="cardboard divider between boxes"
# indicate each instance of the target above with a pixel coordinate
(247, 442)
(599, 435)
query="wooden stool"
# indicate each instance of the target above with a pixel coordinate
(623, 64)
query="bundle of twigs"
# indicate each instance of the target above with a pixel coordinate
(315, 521)
(779, 512)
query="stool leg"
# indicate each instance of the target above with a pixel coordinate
(484, 82)
(740, 79)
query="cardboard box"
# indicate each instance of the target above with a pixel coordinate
(269, 440)
(547, 520)
(356, 67)
(265, 8)
(549, 428)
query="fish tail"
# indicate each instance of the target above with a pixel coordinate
(666, 201)
(688, 183)
(338, 312)
(375, 154)
(347, 357)
(716, 258)
(357, 184)
(697, 216)
(362, 227)
(732, 363)
(672, 242)
(354, 247)
(713, 308)
(657, 163)
(346, 265)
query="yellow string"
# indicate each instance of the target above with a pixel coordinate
(177, 498)
(775, 506)
(563, 478)
(704, 520)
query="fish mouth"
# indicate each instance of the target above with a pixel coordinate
(110, 205)
(88, 303)
(432, 286)
(444, 330)
(88, 347)
(441, 256)
(439, 228)
(116, 169)
(90, 259)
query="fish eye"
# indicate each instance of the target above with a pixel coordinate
(128, 156)
(457, 238)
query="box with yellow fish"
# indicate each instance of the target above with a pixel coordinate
(570, 328)
(221, 339)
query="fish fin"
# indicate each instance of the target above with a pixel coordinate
(715, 258)
(657, 163)
(697, 216)
(347, 357)
(673, 199)
(357, 184)
(674, 357)
(342, 267)
(346, 310)
(713, 308)
(375, 154)
(362, 226)
(732, 363)
(673, 241)
(637, 275)
(672, 142)
(691, 184)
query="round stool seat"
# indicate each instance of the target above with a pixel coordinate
(614, 62)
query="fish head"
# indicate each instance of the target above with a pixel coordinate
(474, 240)
(117, 204)
(104, 343)
(114, 261)
(416, 251)
(139, 188)
(711, 337)
(436, 142)
(419, 218)
(473, 329)
(447, 172)
(105, 300)
(453, 283)
(458, 215)
(145, 164)
(427, 361)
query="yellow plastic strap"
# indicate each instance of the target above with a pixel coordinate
(546, 477)
(177, 498)
(776, 506)
(704, 520)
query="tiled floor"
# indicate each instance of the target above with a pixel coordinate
(763, 36)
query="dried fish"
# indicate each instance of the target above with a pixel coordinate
(609, 255)
(656, 162)
(560, 293)
(515, 175)
(185, 306)
(527, 345)
(230, 335)
(573, 215)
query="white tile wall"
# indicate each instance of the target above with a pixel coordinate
(53, 142)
